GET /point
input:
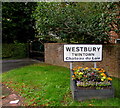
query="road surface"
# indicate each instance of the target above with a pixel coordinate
(12, 64)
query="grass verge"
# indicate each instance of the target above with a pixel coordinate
(48, 85)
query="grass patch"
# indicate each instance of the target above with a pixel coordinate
(48, 85)
(40, 84)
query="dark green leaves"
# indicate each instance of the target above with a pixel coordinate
(75, 22)
(17, 23)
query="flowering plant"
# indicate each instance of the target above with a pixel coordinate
(87, 77)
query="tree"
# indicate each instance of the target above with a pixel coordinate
(17, 23)
(75, 22)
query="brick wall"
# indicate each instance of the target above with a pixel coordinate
(111, 58)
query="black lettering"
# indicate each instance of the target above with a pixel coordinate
(73, 49)
(76, 54)
(67, 58)
(73, 54)
(94, 48)
(77, 49)
(81, 48)
(85, 49)
(89, 49)
(68, 48)
(98, 48)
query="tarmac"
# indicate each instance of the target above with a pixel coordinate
(9, 97)
(12, 64)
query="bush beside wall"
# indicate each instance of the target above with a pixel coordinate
(16, 50)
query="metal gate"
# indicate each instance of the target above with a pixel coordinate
(36, 50)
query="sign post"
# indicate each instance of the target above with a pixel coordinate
(95, 65)
(71, 66)
(82, 52)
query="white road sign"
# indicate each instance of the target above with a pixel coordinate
(82, 52)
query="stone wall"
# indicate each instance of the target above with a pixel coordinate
(111, 58)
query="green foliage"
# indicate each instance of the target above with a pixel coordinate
(20, 50)
(47, 85)
(116, 84)
(75, 22)
(7, 50)
(16, 50)
(17, 23)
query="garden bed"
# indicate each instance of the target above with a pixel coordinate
(84, 93)
(91, 88)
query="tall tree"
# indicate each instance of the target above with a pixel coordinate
(75, 22)
(17, 23)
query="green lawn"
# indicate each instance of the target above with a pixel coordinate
(48, 85)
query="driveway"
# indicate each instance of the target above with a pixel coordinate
(12, 64)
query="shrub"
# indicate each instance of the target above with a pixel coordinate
(20, 50)
(16, 50)
(7, 50)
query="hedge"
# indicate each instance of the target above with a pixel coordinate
(16, 50)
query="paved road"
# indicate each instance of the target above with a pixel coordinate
(12, 64)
